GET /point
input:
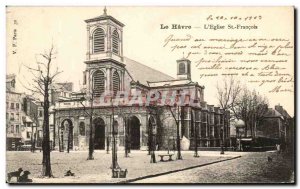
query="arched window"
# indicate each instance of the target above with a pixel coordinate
(98, 83)
(181, 68)
(82, 129)
(115, 42)
(116, 82)
(98, 40)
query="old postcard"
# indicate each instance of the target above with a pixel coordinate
(169, 95)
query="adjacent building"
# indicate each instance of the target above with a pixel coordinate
(14, 114)
(275, 127)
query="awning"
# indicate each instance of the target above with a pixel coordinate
(246, 139)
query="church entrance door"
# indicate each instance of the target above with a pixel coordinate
(135, 133)
(99, 139)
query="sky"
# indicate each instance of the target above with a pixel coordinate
(64, 27)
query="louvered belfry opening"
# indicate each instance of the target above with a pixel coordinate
(98, 40)
(181, 68)
(115, 41)
(98, 83)
(116, 83)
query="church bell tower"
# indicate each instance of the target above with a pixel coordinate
(184, 69)
(104, 57)
(104, 38)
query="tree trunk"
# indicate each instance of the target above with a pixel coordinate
(32, 140)
(58, 131)
(127, 122)
(152, 144)
(54, 122)
(246, 127)
(149, 143)
(91, 142)
(46, 143)
(180, 114)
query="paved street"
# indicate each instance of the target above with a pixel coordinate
(250, 168)
(98, 170)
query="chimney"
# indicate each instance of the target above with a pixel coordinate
(279, 109)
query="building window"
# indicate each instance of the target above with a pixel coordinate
(28, 134)
(82, 129)
(17, 117)
(17, 106)
(40, 113)
(7, 115)
(12, 106)
(115, 42)
(98, 83)
(12, 116)
(116, 83)
(12, 129)
(13, 83)
(98, 43)
(17, 129)
(181, 68)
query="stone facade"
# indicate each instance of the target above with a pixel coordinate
(135, 117)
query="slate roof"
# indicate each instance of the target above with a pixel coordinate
(142, 73)
(272, 113)
(104, 17)
(170, 83)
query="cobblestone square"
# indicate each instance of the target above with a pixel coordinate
(250, 167)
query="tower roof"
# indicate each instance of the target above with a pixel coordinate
(104, 16)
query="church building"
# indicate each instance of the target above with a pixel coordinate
(138, 102)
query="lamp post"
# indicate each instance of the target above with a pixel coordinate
(239, 126)
(114, 156)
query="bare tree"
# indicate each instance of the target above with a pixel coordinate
(259, 109)
(227, 94)
(251, 108)
(175, 111)
(43, 76)
(90, 114)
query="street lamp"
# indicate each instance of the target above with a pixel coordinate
(239, 126)
(117, 172)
